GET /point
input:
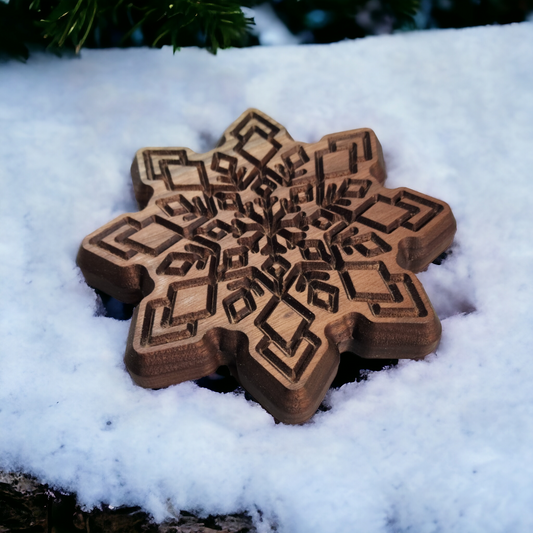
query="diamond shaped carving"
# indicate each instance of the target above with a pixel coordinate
(270, 256)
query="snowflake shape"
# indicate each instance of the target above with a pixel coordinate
(270, 256)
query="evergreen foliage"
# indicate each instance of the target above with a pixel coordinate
(214, 24)
(75, 23)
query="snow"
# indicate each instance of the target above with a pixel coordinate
(438, 445)
(269, 29)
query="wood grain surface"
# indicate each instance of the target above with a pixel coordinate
(270, 256)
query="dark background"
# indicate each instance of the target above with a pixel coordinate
(29, 25)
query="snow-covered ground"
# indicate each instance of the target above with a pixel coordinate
(440, 445)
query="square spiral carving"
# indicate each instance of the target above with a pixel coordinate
(269, 256)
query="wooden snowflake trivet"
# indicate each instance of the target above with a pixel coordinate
(270, 256)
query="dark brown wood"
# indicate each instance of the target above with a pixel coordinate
(269, 256)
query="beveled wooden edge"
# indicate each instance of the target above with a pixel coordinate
(416, 252)
(353, 332)
(127, 282)
(131, 282)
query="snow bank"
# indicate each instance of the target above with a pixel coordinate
(439, 445)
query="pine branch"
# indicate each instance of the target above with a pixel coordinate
(219, 23)
(214, 24)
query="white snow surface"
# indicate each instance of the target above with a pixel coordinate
(269, 29)
(444, 444)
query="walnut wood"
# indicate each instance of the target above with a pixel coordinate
(270, 256)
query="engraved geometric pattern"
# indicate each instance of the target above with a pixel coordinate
(270, 256)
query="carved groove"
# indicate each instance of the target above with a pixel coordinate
(267, 254)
